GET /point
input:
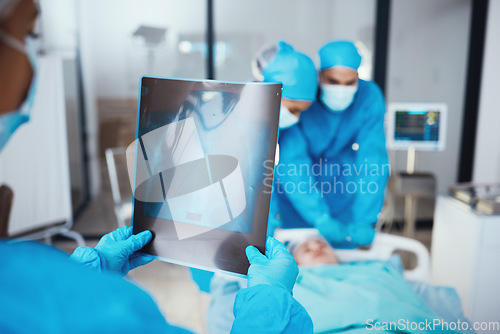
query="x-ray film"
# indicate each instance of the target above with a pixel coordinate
(201, 169)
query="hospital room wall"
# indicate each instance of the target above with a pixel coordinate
(113, 61)
(115, 56)
(245, 26)
(58, 26)
(61, 35)
(427, 62)
(487, 153)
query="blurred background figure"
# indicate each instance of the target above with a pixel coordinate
(296, 71)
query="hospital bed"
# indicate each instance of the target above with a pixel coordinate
(443, 301)
(383, 247)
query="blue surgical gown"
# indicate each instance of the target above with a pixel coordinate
(334, 164)
(43, 291)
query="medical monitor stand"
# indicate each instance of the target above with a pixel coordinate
(412, 127)
(409, 215)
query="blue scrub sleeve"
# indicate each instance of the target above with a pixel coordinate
(371, 153)
(295, 181)
(269, 309)
(43, 291)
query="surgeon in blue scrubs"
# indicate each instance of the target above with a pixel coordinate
(334, 168)
(43, 290)
(282, 63)
(296, 71)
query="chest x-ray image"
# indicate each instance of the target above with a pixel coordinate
(200, 167)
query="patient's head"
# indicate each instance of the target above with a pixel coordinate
(314, 251)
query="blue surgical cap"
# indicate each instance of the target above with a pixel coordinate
(295, 71)
(341, 54)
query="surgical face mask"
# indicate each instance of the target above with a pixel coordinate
(337, 97)
(287, 119)
(10, 121)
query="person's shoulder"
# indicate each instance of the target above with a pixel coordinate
(315, 107)
(369, 87)
(314, 113)
(314, 118)
(29, 249)
(292, 139)
(371, 99)
(45, 274)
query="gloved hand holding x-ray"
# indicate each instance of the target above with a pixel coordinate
(277, 267)
(116, 252)
(198, 169)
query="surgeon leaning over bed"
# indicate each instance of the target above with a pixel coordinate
(296, 71)
(281, 63)
(43, 291)
(333, 170)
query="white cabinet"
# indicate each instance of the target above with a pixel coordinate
(465, 254)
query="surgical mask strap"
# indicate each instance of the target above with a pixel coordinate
(12, 42)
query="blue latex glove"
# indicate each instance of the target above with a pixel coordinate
(332, 230)
(276, 268)
(362, 234)
(341, 235)
(116, 251)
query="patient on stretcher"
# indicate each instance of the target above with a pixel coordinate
(357, 297)
(313, 251)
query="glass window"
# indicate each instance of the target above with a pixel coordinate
(243, 27)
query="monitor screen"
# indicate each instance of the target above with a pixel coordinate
(421, 126)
